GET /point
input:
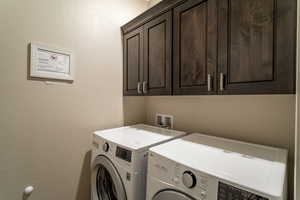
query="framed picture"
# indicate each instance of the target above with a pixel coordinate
(51, 63)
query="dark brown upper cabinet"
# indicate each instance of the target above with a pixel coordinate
(257, 46)
(148, 58)
(158, 56)
(133, 62)
(208, 47)
(195, 47)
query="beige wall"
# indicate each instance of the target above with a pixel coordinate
(134, 110)
(267, 120)
(45, 131)
(297, 139)
(153, 2)
(263, 119)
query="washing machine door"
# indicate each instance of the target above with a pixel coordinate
(107, 183)
(171, 195)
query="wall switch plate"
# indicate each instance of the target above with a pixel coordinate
(164, 121)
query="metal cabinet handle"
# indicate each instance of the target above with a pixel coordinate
(221, 82)
(139, 88)
(209, 82)
(145, 89)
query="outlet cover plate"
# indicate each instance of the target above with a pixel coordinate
(164, 121)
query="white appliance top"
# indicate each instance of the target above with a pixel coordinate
(139, 136)
(256, 167)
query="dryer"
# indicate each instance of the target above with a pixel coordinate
(200, 167)
(119, 160)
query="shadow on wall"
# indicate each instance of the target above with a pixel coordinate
(83, 190)
(134, 110)
(25, 196)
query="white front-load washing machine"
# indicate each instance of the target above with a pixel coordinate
(119, 160)
(200, 167)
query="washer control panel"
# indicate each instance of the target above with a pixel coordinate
(195, 183)
(124, 154)
(227, 192)
(181, 177)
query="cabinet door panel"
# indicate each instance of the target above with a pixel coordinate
(157, 55)
(249, 51)
(133, 62)
(195, 47)
(251, 41)
(193, 33)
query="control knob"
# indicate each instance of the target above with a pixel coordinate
(189, 179)
(105, 147)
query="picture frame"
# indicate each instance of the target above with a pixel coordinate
(48, 62)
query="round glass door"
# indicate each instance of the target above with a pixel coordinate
(108, 183)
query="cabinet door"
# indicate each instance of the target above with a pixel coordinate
(195, 47)
(158, 56)
(257, 46)
(133, 62)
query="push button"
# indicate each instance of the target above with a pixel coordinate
(176, 180)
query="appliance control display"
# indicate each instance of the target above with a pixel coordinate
(124, 154)
(228, 192)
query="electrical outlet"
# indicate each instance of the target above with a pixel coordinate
(164, 121)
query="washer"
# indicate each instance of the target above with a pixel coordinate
(119, 160)
(200, 167)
